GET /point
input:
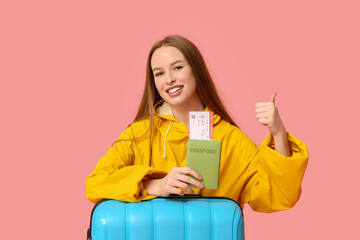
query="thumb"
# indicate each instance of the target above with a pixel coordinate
(272, 98)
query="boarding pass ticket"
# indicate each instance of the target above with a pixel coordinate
(201, 125)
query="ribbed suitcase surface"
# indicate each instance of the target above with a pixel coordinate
(168, 218)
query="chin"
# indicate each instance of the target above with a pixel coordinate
(174, 101)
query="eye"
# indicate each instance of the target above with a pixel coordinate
(178, 67)
(158, 74)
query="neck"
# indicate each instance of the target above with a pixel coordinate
(181, 112)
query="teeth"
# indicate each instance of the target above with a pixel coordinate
(174, 90)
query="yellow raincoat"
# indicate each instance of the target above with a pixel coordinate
(261, 177)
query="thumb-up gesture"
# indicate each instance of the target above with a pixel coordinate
(268, 115)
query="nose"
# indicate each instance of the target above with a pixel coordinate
(170, 78)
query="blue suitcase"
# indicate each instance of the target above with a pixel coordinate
(177, 218)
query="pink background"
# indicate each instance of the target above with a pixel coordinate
(72, 74)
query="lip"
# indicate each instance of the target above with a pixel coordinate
(168, 89)
(175, 94)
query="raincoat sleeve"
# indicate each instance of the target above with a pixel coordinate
(274, 181)
(116, 176)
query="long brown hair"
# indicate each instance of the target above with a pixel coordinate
(204, 83)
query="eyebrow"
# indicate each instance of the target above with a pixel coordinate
(177, 61)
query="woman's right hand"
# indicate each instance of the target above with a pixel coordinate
(170, 184)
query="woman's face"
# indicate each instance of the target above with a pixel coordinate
(173, 76)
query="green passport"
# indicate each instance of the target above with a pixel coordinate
(204, 157)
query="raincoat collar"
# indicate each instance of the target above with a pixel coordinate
(165, 111)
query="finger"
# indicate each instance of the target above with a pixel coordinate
(263, 104)
(188, 189)
(264, 109)
(264, 121)
(192, 172)
(272, 98)
(175, 190)
(184, 186)
(262, 115)
(190, 180)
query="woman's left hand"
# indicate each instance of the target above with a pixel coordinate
(268, 115)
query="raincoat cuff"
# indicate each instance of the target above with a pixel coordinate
(297, 147)
(152, 174)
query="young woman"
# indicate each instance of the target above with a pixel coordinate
(149, 158)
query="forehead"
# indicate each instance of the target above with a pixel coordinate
(166, 55)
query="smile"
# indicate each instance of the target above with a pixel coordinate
(174, 89)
